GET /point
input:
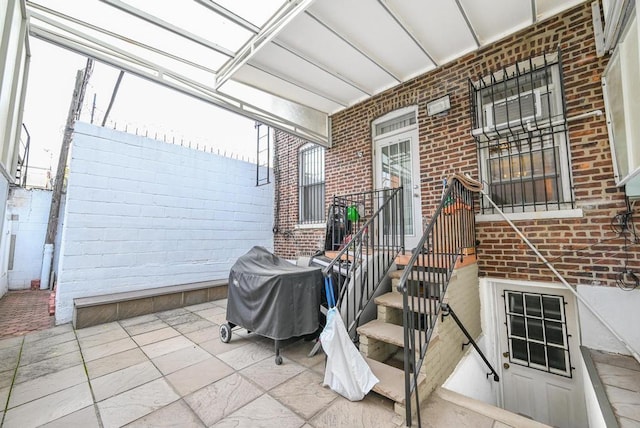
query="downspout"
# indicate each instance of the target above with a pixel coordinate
(562, 280)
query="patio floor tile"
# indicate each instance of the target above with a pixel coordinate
(373, 411)
(176, 414)
(9, 358)
(49, 341)
(49, 408)
(229, 394)
(135, 403)
(204, 334)
(85, 418)
(109, 348)
(211, 312)
(166, 346)
(43, 368)
(142, 319)
(267, 374)
(185, 357)
(11, 342)
(33, 354)
(244, 356)
(115, 362)
(113, 334)
(44, 334)
(155, 336)
(199, 375)
(194, 326)
(123, 380)
(264, 412)
(304, 394)
(97, 329)
(45, 385)
(217, 347)
(145, 327)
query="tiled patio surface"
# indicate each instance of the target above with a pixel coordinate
(171, 369)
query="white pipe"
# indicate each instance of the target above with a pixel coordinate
(564, 282)
(47, 260)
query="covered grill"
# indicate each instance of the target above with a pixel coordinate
(272, 297)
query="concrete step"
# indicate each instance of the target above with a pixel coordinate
(388, 333)
(447, 408)
(385, 332)
(394, 300)
(391, 383)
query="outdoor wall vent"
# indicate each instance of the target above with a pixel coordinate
(439, 105)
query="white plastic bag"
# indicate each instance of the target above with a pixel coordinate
(347, 373)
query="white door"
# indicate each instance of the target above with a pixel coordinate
(396, 164)
(538, 340)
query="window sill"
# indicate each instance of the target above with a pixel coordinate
(311, 226)
(533, 215)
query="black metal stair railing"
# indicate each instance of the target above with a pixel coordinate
(367, 232)
(424, 282)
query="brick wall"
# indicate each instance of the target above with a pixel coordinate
(446, 146)
(289, 240)
(142, 213)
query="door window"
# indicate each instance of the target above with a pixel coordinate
(537, 332)
(396, 171)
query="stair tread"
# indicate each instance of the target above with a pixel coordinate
(394, 300)
(389, 333)
(391, 383)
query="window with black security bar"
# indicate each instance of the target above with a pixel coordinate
(537, 332)
(311, 184)
(519, 124)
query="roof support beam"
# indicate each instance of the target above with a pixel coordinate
(215, 7)
(48, 13)
(407, 29)
(167, 26)
(144, 69)
(466, 20)
(270, 30)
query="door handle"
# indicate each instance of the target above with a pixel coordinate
(506, 366)
(505, 354)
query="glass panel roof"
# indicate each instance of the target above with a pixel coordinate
(289, 64)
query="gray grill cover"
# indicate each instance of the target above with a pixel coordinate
(272, 297)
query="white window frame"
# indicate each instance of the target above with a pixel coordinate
(318, 219)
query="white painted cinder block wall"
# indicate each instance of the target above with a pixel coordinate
(142, 213)
(28, 215)
(5, 238)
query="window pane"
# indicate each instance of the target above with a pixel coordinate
(533, 305)
(517, 326)
(557, 358)
(554, 332)
(515, 303)
(551, 307)
(396, 172)
(519, 349)
(537, 353)
(534, 327)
